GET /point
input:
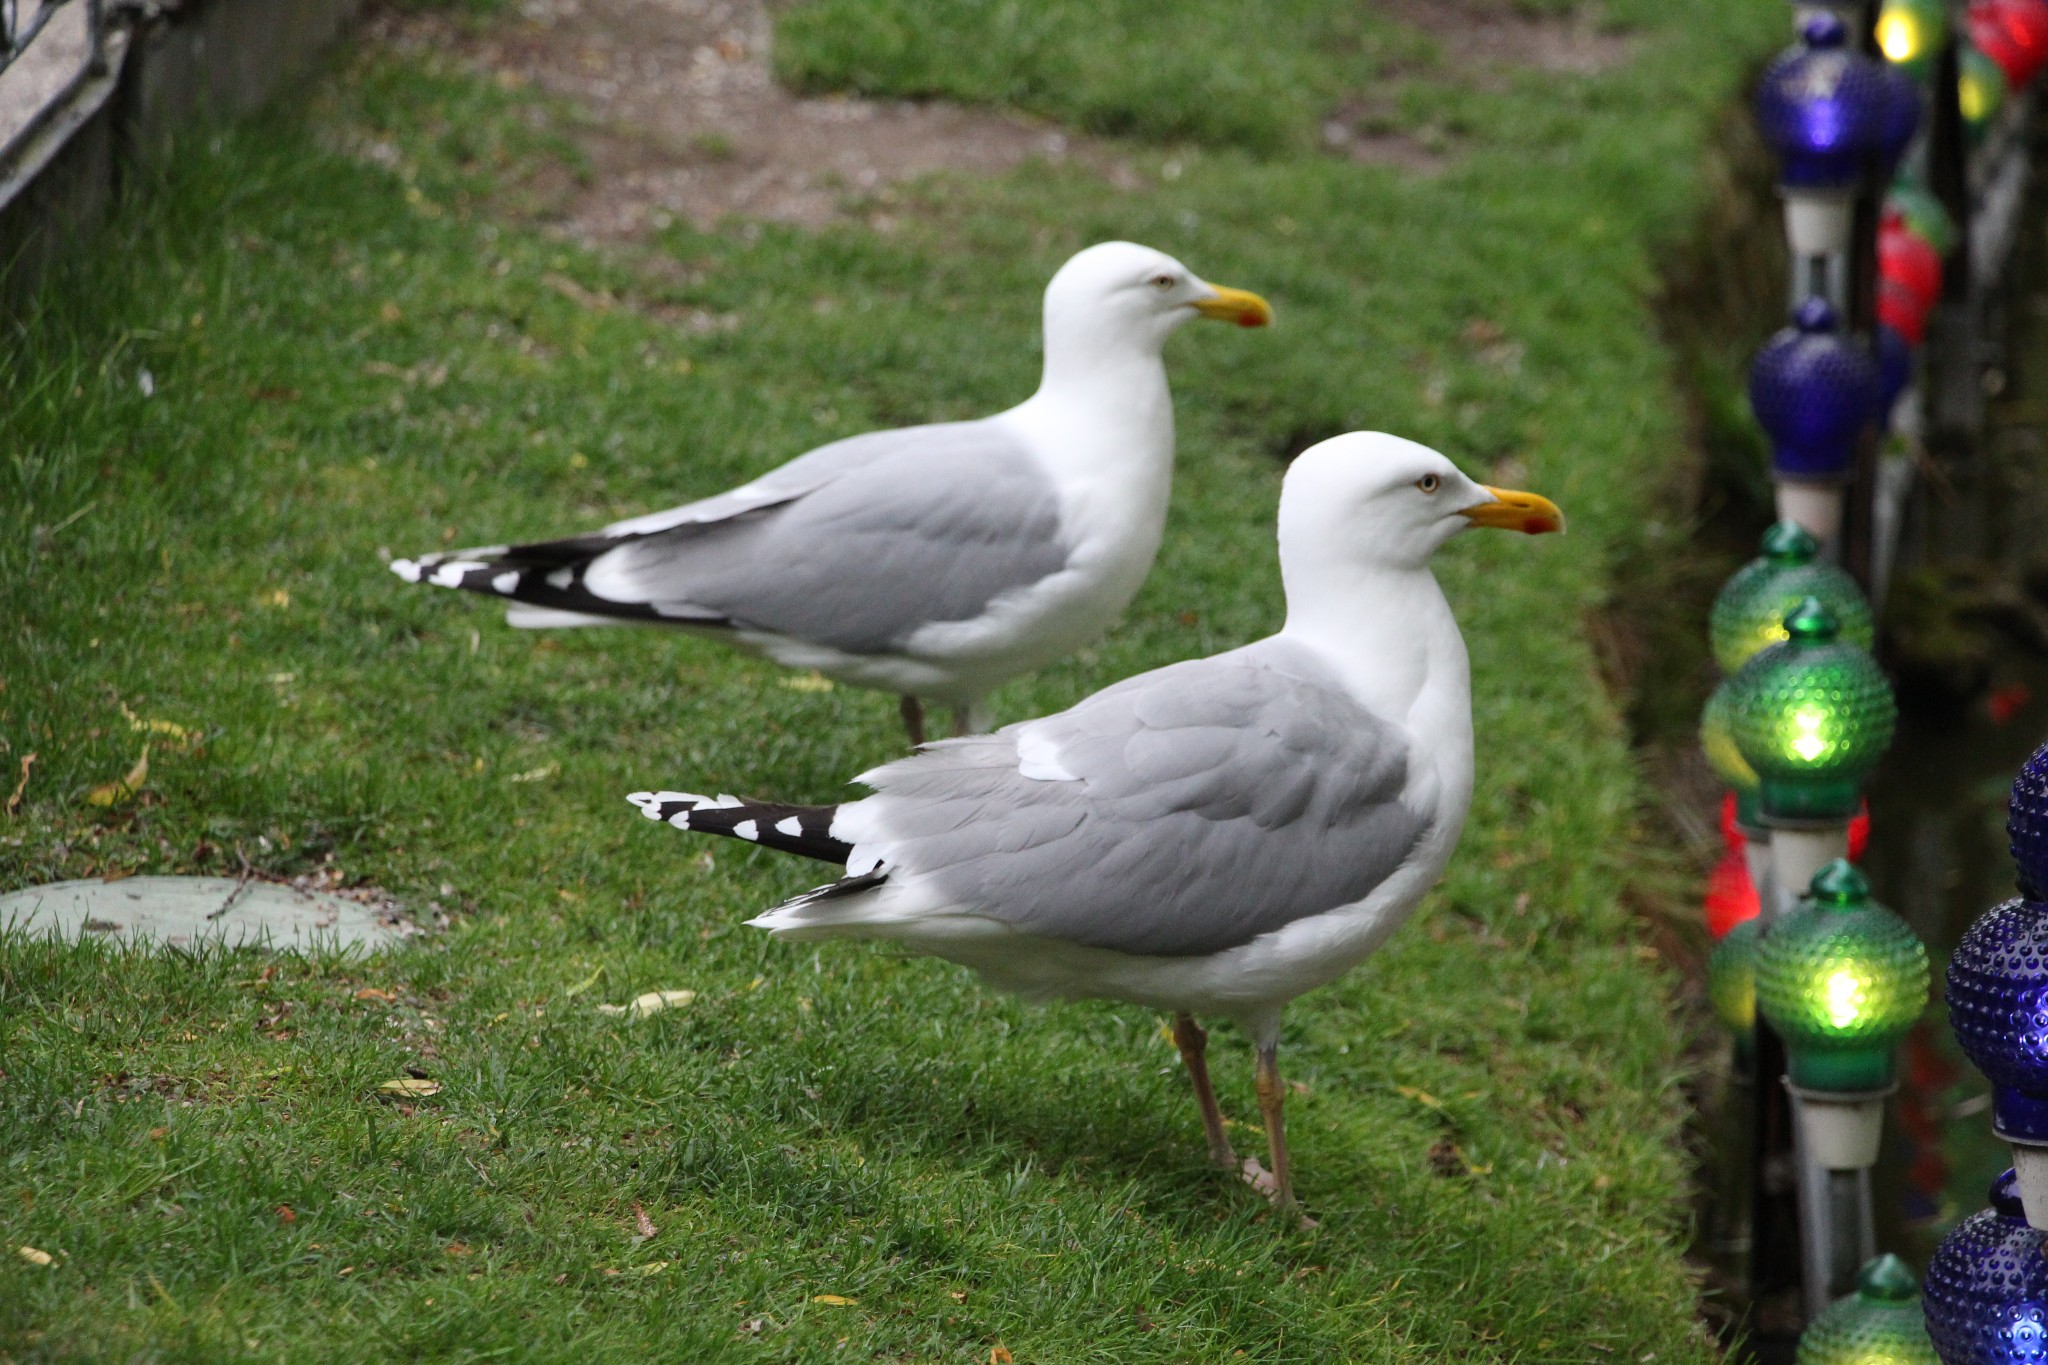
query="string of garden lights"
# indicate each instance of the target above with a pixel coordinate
(1815, 980)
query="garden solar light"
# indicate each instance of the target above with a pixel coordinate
(1986, 1296)
(1998, 1002)
(1980, 91)
(1879, 1324)
(1923, 213)
(1717, 742)
(1823, 108)
(1909, 259)
(1749, 613)
(1910, 33)
(1841, 979)
(1731, 983)
(2012, 33)
(2026, 825)
(1812, 716)
(1813, 391)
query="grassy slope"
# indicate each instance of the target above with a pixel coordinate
(1488, 1135)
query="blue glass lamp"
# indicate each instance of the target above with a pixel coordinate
(1825, 109)
(1813, 391)
(1899, 117)
(1998, 998)
(1986, 1292)
(2026, 824)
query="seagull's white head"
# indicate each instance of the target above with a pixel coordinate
(1121, 296)
(1373, 501)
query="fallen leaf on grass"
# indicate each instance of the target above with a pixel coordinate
(14, 802)
(1421, 1097)
(456, 1249)
(650, 1002)
(808, 682)
(643, 1222)
(35, 1257)
(998, 1355)
(409, 1087)
(372, 993)
(585, 984)
(285, 1214)
(834, 1300)
(536, 774)
(654, 1267)
(152, 726)
(108, 793)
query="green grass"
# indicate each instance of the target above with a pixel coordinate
(347, 360)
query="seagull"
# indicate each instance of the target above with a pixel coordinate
(933, 561)
(1212, 838)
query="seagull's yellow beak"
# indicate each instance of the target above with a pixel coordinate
(1240, 306)
(1512, 511)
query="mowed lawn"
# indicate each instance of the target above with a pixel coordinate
(285, 362)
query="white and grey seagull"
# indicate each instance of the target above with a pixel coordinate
(935, 561)
(1212, 838)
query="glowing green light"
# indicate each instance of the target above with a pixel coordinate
(1749, 613)
(1811, 717)
(1879, 1324)
(1841, 979)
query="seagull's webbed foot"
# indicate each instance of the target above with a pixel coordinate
(913, 719)
(1272, 1100)
(1193, 1043)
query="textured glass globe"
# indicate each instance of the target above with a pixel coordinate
(1910, 33)
(1894, 371)
(1813, 390)
(1821, 106)
(1811, 716)
(1986, 1295)
(1898, 117)
(1879, 1324)
(1841, 979)
(1717, 741)
(1998, 1006)
(1749, 615)
(1923, 212)
(1731, 976)
(2026, 825)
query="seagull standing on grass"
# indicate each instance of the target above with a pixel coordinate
(935, 561)
(1211, 838)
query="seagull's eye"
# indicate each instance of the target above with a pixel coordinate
(1429, 483)
(1162, 282)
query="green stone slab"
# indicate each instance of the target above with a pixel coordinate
(193, 911)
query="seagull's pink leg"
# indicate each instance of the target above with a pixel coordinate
(913, 719)
(1272, 1097)
(1194, 1054)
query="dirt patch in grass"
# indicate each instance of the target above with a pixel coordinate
(1478, 34)
(685, 120)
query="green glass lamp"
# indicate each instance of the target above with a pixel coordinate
(1841, 979)
(1980, 92)
(1812, 715)
(1731, 982)
(1910, 33)
(1749, 615)
(1717, 741)
(1879, 1324)
(1923, 213)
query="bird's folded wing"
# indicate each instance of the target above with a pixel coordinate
(855, 545)
(1182, 812)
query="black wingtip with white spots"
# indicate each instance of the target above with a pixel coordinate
(802, 830)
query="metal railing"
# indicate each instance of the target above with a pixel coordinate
(49, 50)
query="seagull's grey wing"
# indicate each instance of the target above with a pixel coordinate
(856, 545)
(1182, 812)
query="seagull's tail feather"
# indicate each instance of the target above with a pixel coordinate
(803, 830)
(547, 584)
